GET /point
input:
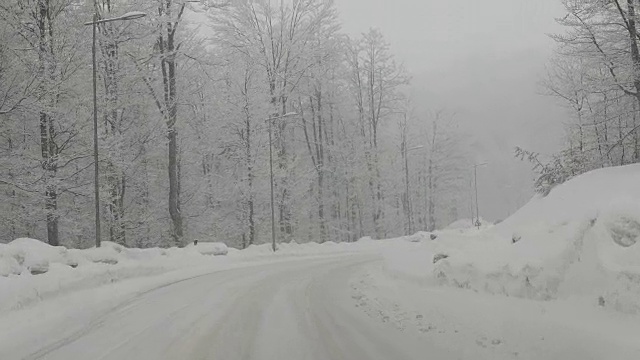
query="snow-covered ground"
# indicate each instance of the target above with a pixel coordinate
(579, 242)
(32, 271)
(477, 325)
(560, 279)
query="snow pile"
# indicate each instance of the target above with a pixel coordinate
(208, 248)
(31, 270)
(582, 240)
(415, 260)
(33, 256)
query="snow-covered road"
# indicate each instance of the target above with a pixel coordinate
(331, 306)
(299, 309)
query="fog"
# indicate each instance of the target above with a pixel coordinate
(482, 60)
(294, 179)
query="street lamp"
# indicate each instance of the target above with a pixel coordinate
(475, 180)
(128, 16)
(273, 221)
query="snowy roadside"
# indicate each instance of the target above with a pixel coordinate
(53, 323)
(32, 271)
(68, 301)
(558, 279)
(476, 325)
(580, 243)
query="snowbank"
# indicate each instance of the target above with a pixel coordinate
(29, 255)
(582, 240)
(207, 248)
(31, 270)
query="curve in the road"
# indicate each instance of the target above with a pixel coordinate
(283, 311)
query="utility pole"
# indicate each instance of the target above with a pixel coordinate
(406, 185)
(273, 216)
(475, 180)
(273, 219)
(96, 184)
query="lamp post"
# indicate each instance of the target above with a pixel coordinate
(128, 16)
(475, 181)
(273, 217)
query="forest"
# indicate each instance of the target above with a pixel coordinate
(202, 106)
(595, 74)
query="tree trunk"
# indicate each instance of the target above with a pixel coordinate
(114, 174)
(323, 230)
(633, 38)
(636, 135)
(168, 62)
(174, 187)
(320, 162)
(249, 164)
(47, 129)
(380, 228)
(406, 204)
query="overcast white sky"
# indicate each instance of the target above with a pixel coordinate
(482, 59)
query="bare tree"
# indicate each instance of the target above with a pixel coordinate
(376, 81)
